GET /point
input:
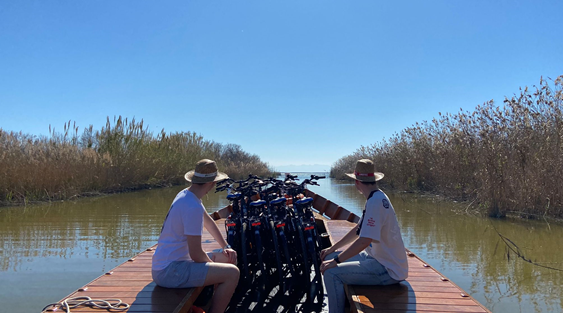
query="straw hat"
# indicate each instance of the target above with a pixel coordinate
(365, 172)
(205, 172)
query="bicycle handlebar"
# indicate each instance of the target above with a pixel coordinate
(317, 177)
(291, 177)
(247, 187)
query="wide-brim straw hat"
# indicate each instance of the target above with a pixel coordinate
(365, 172)
(205, 171)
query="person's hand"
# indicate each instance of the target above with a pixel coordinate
(231, 255)
(327, 265)
(325, 252)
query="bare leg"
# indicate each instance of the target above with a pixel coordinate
(225, 277)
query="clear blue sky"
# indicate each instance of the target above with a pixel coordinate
(295, 82)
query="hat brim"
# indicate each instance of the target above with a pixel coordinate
(377, 176)
(202, 180)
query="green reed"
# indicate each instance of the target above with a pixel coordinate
(504, 159)
(123, 155)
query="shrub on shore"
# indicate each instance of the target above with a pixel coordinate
(505, 159)
(122, 156)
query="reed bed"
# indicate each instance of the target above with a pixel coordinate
(122, 156)
(503, 159)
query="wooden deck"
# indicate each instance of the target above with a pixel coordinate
(426, 290)
(132, 283)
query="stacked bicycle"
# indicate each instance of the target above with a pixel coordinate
(273, 229)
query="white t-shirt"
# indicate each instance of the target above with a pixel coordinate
(184, 218)
(380, 224)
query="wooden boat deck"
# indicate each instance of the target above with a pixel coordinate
(132, 283)
(426, 290)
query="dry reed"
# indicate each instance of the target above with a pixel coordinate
(505, 159)
(122, 156)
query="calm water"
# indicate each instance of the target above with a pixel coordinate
(48, 251)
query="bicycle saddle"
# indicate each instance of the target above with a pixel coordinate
(278, 201)
(234, 196)
(257, 203)
(304, 201)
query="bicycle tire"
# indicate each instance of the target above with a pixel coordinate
(285, 247)
(260, 266)
(315, 259)
(243, 251)
(304, 261)
(277, 252)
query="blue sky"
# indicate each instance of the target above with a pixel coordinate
(295, 82)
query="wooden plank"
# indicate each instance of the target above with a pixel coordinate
(425, 290)
(331, 210)
(413, 300)
(322, 210)
(132, 282)
(336, 214)
(319, 203)
(352, 217)
(188, 300)
(168, 295)
(402, 298)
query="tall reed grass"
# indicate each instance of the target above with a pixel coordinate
(123, 155)
(505, 159)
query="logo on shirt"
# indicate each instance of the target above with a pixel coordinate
(371, 222)
(385, 203)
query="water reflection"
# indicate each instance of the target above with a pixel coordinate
(50, 250)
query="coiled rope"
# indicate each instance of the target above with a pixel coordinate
(72, 303)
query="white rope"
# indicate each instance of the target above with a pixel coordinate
(72, 303)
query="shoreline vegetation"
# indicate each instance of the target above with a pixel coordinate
(122, 156)
(502, 160)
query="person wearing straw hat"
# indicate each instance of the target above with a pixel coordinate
(376, 255)
(179, 260)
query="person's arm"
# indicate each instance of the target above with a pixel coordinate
(348, 238)
(196, 251)
(354, 249)
(212, 228)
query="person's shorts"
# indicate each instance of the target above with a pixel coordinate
(181, 274)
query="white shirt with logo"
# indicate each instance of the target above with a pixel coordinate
(380, 224)
(184, 218)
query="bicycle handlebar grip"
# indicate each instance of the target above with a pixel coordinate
(317, 177)
(222, 181)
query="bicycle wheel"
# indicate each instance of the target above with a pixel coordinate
(306, 267)
(316, 287)
(243, 252)
(285, 248)
(277, 252)
(260, 265)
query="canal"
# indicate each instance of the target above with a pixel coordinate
(47, 251)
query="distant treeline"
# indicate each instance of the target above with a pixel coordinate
(504, 159)
(121, 156)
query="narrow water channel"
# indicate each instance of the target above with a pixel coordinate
(48, 251)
